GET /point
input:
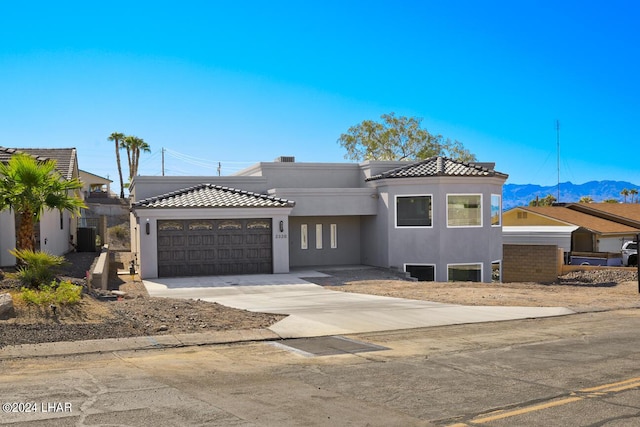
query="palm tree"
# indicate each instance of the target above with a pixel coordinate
(625, 193)
(134, 147)
(117, 137)
(29, 187)
(634, 195)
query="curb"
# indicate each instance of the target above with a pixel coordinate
(69, 348)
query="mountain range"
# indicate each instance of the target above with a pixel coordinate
(514, 195)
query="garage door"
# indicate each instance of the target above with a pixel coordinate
(214, 247)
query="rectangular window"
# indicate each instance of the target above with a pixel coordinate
(424, 273)
(496, 210)
(522, 215)
(61, 221)
(334, 236)
(304, 237)
(318, 236)
(464, 210)
(413, 211)
(464, 272)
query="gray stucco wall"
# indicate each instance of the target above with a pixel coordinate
(348, 239)
(7, 238)
(440, 245)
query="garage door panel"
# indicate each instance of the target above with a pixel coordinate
(214, 247)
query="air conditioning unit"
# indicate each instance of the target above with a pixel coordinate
(286, 159)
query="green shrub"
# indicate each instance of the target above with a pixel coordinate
(36, 268)
(63, 293)
(67, 293)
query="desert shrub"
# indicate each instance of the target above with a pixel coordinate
(63, 293)
(36, 267)
(119, 231)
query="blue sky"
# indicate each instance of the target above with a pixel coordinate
(241, 82)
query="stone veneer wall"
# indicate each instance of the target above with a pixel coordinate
(529, 263)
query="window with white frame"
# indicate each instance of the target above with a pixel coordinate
(334, 236)
(304, 236)
(318, 236)
(496, 210)
(414, 211)
(422, 272)
(464, 272)
(464, 210)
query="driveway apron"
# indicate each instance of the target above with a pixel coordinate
(316, 311)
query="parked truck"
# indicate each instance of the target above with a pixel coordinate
(630, 253)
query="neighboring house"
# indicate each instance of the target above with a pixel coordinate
(55, 229)
(94, 186)
(438, 219)
(593, 227)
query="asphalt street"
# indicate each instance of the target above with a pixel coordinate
(578, 370)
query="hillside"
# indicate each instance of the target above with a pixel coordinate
(521, 194)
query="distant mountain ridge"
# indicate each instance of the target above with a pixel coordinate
(514, 195)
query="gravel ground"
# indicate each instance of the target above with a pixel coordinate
(135, 315)
(140, 315)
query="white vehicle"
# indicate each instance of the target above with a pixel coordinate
(630, 253)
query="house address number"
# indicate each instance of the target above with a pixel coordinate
(281, 236)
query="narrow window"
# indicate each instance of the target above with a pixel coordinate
(334, 236)
(304, 237)
(318, 236)
(61, 221)
(496, 210)
(464, 210)
(496, 271)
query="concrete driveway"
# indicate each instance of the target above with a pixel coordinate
(317, 311)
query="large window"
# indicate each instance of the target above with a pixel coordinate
(464, 210)
(413, 211)
(496, 210)
(464, 272)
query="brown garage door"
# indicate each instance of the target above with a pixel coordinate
(214, 247)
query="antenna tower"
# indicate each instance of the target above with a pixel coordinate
(558, 145)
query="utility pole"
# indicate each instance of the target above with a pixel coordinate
(162, 161)
(219, 168)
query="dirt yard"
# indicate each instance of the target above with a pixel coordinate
(579, 291)
(137, 314)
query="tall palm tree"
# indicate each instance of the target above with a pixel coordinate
(625, 193)
(134, 146)
(117, 137)
(634, 195)
(29, 187)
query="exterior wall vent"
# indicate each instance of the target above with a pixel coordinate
(286, 159)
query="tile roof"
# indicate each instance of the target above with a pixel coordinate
(573, 217)
(65, 157)
(213, 196)
(622, 212)
(438, 166)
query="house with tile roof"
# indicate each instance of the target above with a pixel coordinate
(438, 219)
(56, 230)
(588, 227)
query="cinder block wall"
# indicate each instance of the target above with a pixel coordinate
(529, 263)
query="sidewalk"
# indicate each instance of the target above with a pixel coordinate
(68, 348)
